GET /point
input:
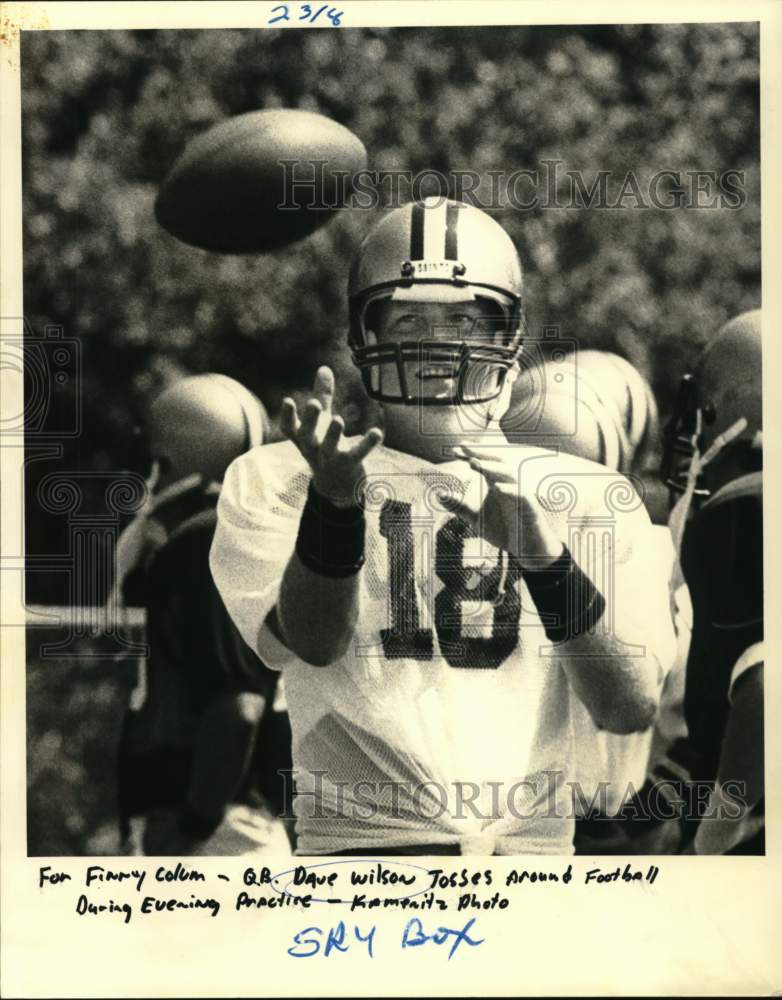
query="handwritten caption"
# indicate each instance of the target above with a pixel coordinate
(325, 15)
(430, 897)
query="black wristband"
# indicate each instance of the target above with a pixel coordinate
(565, 596)
(331, 539)
(194, 826)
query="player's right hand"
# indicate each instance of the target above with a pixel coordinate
(509, 519)
(337, 462)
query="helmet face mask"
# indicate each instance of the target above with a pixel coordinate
(433, 256)
(687, 440)
(716, 430)
(682, 440)
(418, 352)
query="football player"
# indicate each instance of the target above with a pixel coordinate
(598, 405)
(201, 743)
(590, 403)
(718, 524)
(431, 601)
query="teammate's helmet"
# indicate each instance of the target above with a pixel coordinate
(627, 394)
(201, 424)
(437, 250)
(725, 388)
(593, 404)
(729, 379)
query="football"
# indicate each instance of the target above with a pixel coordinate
(230, 192)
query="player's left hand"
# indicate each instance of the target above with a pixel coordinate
(507, 518)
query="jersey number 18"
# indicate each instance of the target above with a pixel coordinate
(406, 639)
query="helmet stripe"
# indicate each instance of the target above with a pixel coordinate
(417, 232)
(434, 231)
(451, 235)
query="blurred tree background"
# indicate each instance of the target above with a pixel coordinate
(105, 115)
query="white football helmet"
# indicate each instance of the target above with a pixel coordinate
(445, 251)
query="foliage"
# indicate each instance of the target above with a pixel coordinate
(105, 114)
(74, 714)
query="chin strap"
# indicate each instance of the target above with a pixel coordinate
(498, 407)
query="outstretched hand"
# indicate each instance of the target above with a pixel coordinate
(507, 518)
(337, 462)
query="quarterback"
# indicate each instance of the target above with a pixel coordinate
(435, 597)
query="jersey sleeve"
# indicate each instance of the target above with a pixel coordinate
(616, 546)
(640, 599)
(751, 657)
(257, 523)
(627, 558)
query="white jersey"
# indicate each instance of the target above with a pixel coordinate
(448, 720)
(611, 767)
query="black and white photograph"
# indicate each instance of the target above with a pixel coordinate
(391, 465)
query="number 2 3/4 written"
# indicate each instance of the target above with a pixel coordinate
(306, 12)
